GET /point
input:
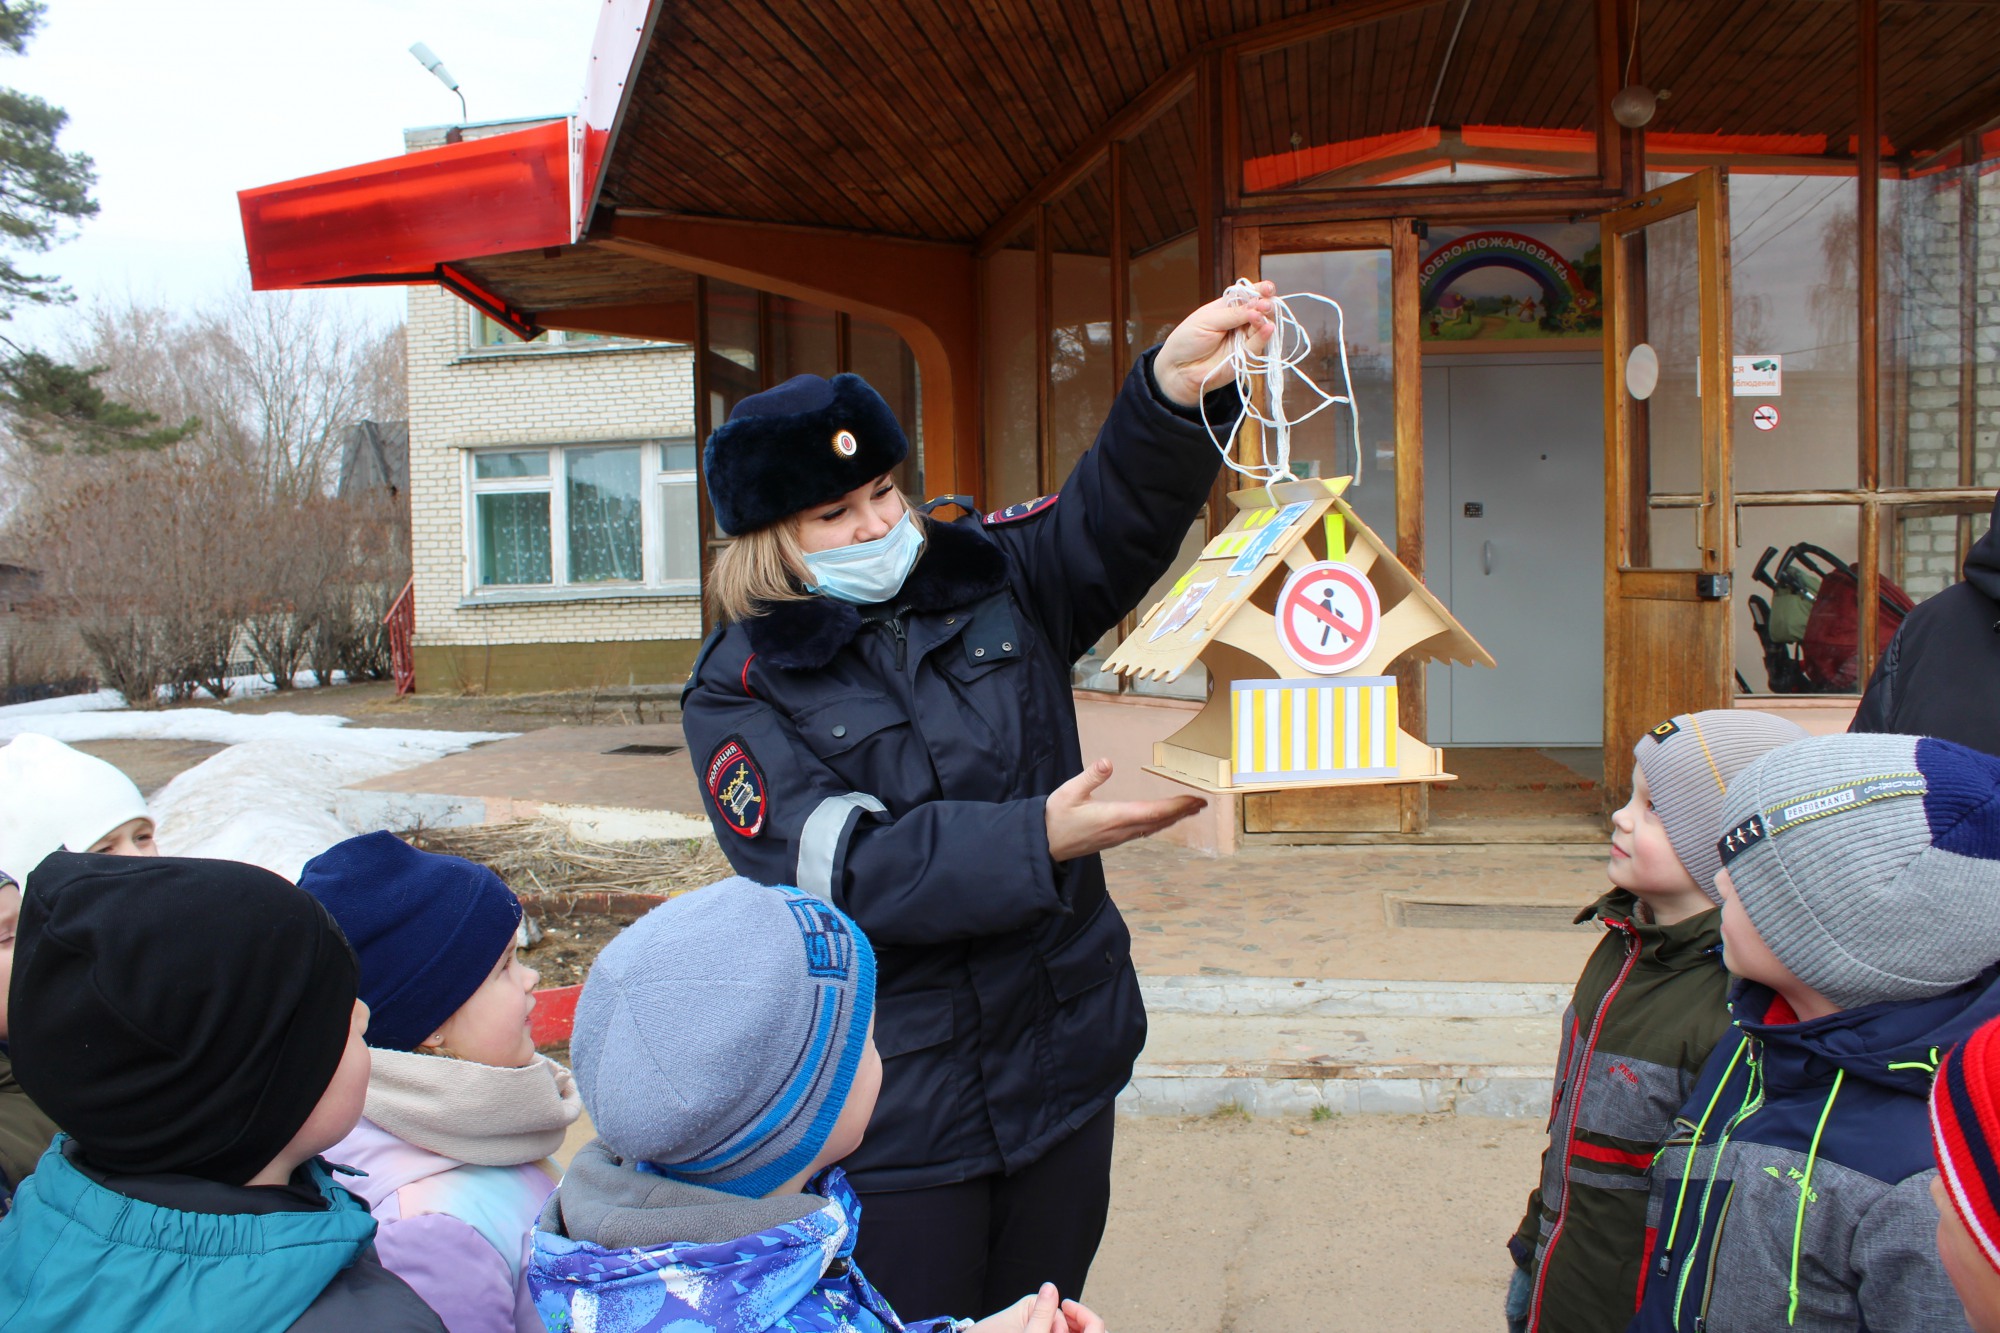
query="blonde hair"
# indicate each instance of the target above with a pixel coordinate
(765, 566)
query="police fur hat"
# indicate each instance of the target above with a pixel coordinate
(803, 443)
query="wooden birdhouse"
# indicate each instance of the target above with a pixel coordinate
(1300, 614)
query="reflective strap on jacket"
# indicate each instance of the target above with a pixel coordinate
(821, 840)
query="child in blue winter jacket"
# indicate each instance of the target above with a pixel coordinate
(724, 1049)
(1860, 886)
(195, 1031)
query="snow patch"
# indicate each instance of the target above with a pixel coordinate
(270, 799)
(275, 802)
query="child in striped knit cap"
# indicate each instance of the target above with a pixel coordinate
(1965, 1126)
(1650, 1004)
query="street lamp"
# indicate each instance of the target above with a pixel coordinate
(429, 60)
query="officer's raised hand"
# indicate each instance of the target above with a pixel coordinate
(1187, 365)
(1079, 825)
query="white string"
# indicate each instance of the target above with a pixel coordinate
(1289, 346)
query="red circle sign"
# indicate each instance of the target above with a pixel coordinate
(1328, 617)
(1765, 417)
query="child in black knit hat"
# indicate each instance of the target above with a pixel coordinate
(197, 1035)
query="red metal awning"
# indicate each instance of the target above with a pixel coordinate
(408, 219)
(414, 218)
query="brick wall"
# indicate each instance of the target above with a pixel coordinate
(534, 396)
(1922, 263)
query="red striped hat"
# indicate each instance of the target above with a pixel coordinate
(1965, 1127)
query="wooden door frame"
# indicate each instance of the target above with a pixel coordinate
(1249, 242)
(1626, 461)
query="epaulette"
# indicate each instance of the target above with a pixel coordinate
(1025, 509)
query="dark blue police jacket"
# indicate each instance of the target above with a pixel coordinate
(896, 760)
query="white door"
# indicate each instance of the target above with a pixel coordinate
(1518, 450)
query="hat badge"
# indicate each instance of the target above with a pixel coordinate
(845, 444)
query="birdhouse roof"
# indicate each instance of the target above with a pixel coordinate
(1209, 604)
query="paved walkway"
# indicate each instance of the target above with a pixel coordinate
(1331, 911)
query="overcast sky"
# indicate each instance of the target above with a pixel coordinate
(182, 104)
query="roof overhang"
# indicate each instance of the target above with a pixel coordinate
(421, 217)
(414, 218)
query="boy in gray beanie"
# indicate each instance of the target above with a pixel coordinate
(1861, 913)
(1650, 1005)
(724, 1048)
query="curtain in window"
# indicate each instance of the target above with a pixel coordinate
(514, 538)
(683, 532)
(604, 528)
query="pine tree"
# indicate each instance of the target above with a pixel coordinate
(44, 195)
(44, 191)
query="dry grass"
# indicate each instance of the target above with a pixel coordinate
(543, 857)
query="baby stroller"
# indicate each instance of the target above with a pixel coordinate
(1810, 628)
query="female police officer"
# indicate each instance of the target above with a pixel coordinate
(886, 721)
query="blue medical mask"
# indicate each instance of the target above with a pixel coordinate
(867, 572)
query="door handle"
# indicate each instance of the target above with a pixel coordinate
(1486, 557)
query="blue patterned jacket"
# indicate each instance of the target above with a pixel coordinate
(613, 1255)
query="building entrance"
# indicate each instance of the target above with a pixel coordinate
(1514, 544)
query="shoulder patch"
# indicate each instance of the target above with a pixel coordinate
(1664, 730)
(1014, 513)
(737, 787)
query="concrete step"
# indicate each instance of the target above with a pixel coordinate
(1281, 1046)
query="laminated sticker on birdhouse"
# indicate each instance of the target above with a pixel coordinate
(1301, 730)
(1328, 617)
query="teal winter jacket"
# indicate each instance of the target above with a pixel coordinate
(77, 1254)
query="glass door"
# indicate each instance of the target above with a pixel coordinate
(1667, 643)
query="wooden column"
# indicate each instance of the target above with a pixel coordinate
(1121, 276)
(1406, 360)
(704, 424)
(1868, 350)
(1044, 317)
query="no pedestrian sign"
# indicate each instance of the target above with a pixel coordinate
(1765, 418)
(1328, 617)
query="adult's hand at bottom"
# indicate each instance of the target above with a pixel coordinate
(1079, 824)
(1044, 1312)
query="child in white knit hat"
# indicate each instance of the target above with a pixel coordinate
(51, 797)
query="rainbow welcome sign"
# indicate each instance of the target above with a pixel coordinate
(1530, 283)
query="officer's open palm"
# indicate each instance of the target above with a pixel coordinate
(1079, 824)
(1043, 1312)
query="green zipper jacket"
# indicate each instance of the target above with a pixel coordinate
(25, 1131)
(1650, 1005)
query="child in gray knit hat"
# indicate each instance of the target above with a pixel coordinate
(1860, 884)
(1651, 1003)
(724, 1048)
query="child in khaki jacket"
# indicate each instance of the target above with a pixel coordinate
(1651, 1003)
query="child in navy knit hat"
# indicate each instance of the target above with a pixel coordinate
(725, 1050)
(462, 1112)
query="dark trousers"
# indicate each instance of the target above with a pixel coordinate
(969, 1249)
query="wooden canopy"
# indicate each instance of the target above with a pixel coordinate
(929, 121)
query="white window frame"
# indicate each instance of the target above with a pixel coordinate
(550, 340)
(653, 481)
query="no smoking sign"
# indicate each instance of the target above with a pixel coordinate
(1765, 418)
(1328, 617)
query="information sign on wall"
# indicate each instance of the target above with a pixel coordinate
(1759, 375)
